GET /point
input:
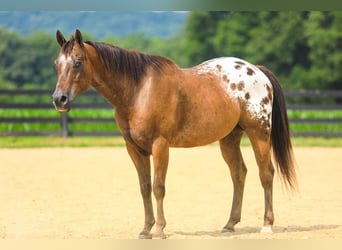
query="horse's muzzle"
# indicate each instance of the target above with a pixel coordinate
(61, 102)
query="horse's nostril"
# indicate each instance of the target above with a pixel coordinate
(61, 102)
(64, 99)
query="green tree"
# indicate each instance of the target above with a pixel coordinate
(44, 50)
(323, 31)
(28, 60)
(200, 31)
(234, 33)
(278, 41)
(15, 57)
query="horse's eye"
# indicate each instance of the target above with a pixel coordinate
(77, 64)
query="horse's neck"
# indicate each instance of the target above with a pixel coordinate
(117, 90)
(99, 77)
(113, 91)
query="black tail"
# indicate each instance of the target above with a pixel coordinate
(280, 134)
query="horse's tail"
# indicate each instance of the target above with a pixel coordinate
(280, 133)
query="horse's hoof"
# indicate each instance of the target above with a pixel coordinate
(145, 236)
(227, 230)
(266, 229)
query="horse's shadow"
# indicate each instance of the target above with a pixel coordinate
(254, 230)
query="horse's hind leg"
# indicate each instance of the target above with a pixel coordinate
(230, 149)
(260, 140)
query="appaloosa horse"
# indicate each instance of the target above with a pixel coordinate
(159, 105)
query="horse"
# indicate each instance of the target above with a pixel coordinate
(159, 105)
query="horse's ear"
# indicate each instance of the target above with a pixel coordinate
(78, 37)
(60, 38)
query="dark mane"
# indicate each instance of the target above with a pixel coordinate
(130, 63)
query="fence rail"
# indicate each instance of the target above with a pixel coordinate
(27, 99)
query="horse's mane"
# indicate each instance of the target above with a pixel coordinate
(131, 63)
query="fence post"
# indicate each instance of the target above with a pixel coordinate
(64, 125)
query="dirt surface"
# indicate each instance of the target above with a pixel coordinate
(93, 193)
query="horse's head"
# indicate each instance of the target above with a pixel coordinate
(73, 69)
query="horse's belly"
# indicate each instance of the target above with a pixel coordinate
(210, 128)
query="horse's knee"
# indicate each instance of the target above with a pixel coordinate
(146, 190)
(159, 190)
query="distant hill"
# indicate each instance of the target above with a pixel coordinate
(97, 24)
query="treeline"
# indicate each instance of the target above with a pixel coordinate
(27, 62)
(304, 49)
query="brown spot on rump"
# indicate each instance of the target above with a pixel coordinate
(270, 96)
(269, 90)
(239, 62)
(247, 96)
(237, 66)
(265, 101)
(233, 86)
(219, 67)
(267, 123)
(225, 78)
(240, 85)
(250, 71)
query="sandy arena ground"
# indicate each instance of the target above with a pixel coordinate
(77, 193)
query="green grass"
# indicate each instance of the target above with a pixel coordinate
(39, 142)
(315, 114)
(27, 113)
(51, 113)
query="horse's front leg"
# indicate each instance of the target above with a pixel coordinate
(143, 166)
(160, 153)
